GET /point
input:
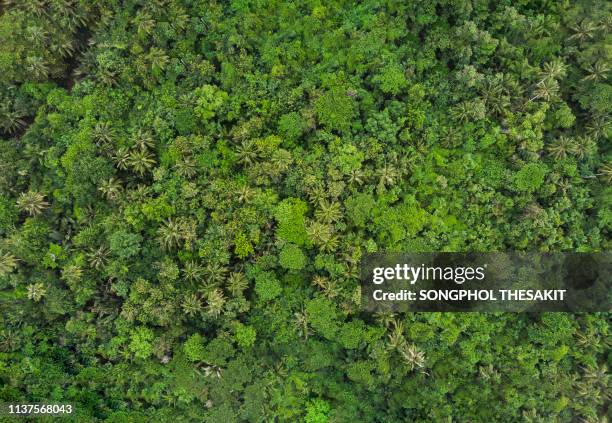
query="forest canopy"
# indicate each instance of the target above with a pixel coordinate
(187, 188)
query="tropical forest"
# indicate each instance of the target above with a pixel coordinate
(188, 188)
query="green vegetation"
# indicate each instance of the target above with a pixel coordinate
(187, 188)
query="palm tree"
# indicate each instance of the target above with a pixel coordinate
(144, 24)
(140, 193)
(599, 126)
(35, 7)
(11, 121)
(356, 177)
(494, 98)
(605, 171)
(537, 27)
(320, 281)
(189, 190)
(585, 30)
(462, 112)
(560, 148)
(412, 356)
(36, 34)
(546, 89)
(237, 283)
(193, 271)
(396, 338)
(564, 185)
(584, 389)
(606, 24)
(245, 193)
(191, 305)
(37, 67)
(111, 188)
(103, 134)
(330, 244)
(331, 289)
(319, 232)
(247, 152)
(179, 20)
(174, 231)
(187, 167)
(450, 136)
(10, 340)
(594, 383)
(316, 193)
(384, 318)
(512, 86)
(280, 161)
(215, 301)
(141, 161)
(597, 375)
(188, 232)
(387, 175)
(98, 257)
(105, 74)
(597, 72)
(143, 139)
(555, 69)
(122, 158)
(32, 202)
(215, 273)
(588, 340)
(596, 419)
(488, 372)
(8, 263)
(63, 47)
(36, 291)
(584, 147)
(169, 235)
(72, 16)
(301, 323)
(352, 271)
(72, 274)
(157, 59)
(328, 212)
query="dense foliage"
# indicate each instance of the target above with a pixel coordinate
(187, 187)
